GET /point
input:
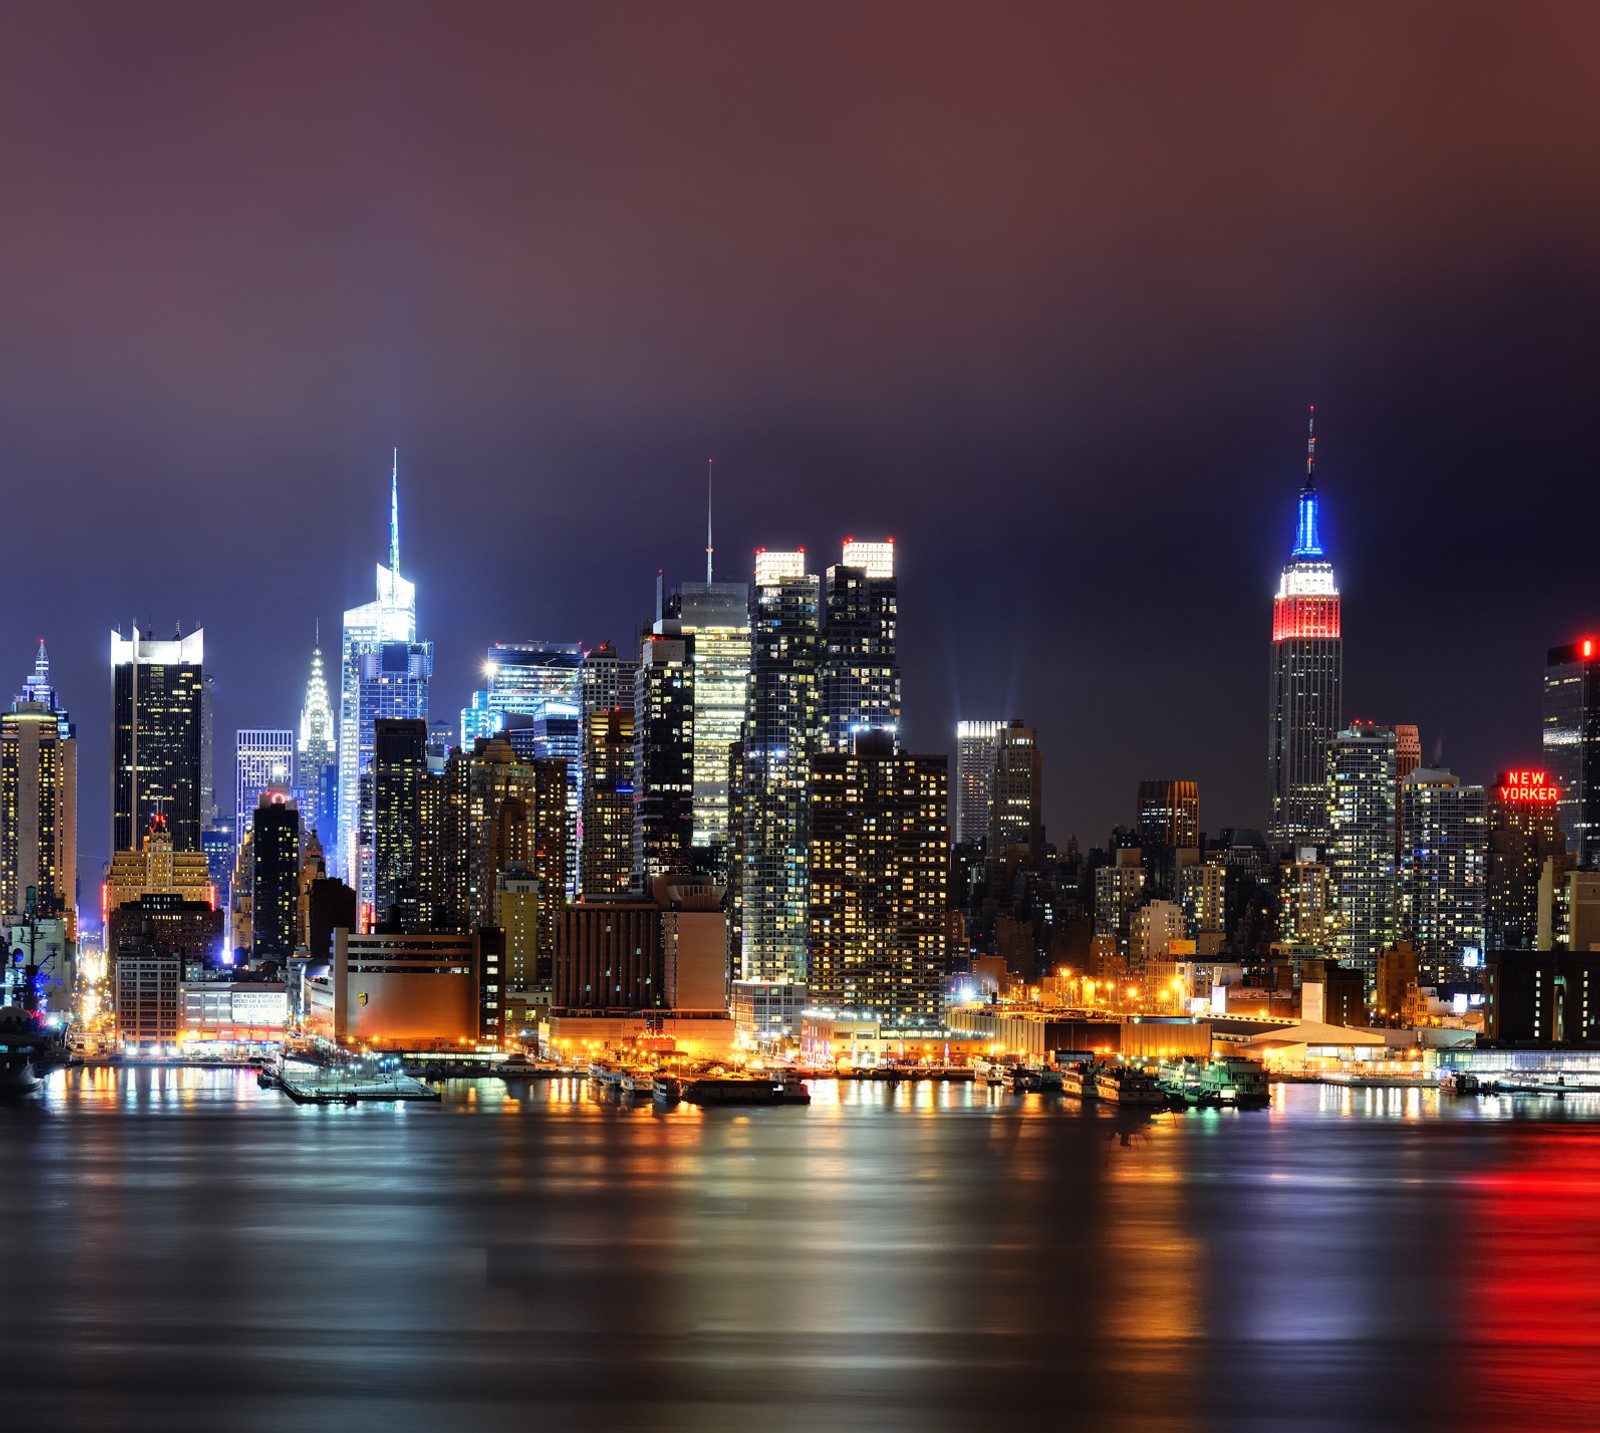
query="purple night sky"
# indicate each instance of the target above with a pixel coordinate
(1041, 291)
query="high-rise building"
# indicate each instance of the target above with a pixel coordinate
(858, 672)
(879, 870)
(607, 827)
(780, 734)
(1362, 840)
(1524, 832)
(1572, 743)
(39, 804)
(264, 761)
(977, 745)
(275, 843)
(1441, 880)
(399, 767)
(209, 810)
(1169, 823)
(318, 753)
(384, 671)
(716, 616)
(157, 690)
(1016, 825)
(1307, 673)
(663, 770)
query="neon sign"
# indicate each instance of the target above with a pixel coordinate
(1528, 787)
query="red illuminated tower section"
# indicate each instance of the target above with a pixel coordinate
(1307, 671)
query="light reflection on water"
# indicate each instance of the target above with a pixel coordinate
(196, 1252)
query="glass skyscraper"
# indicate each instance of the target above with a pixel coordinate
(977, 745)
(1572, 743)
(858, 676)
(1307, 671)
(780, 730)
(156, 697)
(1362, 839)
(263, 761)
(383, 672)
(1442, 876)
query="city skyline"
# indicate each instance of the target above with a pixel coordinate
(1007, 348)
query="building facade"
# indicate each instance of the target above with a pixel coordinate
(1572, 743)
(39, 804)
(1362, 839)
(1305, 702)
(264, 761)
(858, 672)
(1442, 880)
(275, 887)
(156, 695)
(977, 744)
(664, 766)
(1524, 834)
(317, 753)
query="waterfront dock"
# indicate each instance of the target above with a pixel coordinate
(319, 1086)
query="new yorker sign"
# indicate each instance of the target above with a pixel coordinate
(1527, 787)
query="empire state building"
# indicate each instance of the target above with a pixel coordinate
(1307, 670)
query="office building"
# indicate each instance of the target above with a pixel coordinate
(190, 929)
(1362, 834)
(384, 671)
(156, 693)
(399, 767)
(157, 867)
(1572, 743)
(264, 762)
(1524, 833)
(977, 745)
(694, 945)
(1307, 672)
(878, 879)
(715, 618)
(517, 913)
(775, 756)
(1169, 830)
(858, 670)
(606, 831)
(317, 751)
(1542, 997)
(39, 804)
(663, 765)
(608, 956)
(149, 1013)
(275, 884)
(1016, 827)
(1441, 880)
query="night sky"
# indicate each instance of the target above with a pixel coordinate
(1042, 292)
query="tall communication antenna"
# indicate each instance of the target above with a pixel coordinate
(709, 548)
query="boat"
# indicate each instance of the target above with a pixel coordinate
(1183, 1081)
(1234, 1081)
(1124, 1085)
(637, 1082)
(1078, 1082)
(747, 1090)
(990, 1072)
(666, 1090)
(28, 1051)
(517, 1067)
(1459, 1082)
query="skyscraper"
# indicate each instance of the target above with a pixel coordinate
(664, 766)
(39, 804)
(1524, 832)
(399, 767)
(716, 616)
(1572, 743)
(1441, 881)
(1169, 822)
(858, 672)
(1362, 826)
(780, 728)
(383, 672)
(977, 744)
(318, 753)
(879, 864)
(1307, 670)
(264, 761)
(156, 694)
(605, 828)
(1016, 826)
(275, 844)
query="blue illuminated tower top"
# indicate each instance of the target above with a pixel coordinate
(1306, 541)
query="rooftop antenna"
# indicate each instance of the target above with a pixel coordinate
(317, 641)
(1311, 451)
(394, 515)
(709, 548)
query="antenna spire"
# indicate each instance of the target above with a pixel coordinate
(1311, 451)
(394, 515)
(709, 547)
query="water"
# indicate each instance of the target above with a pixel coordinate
(183, 1251)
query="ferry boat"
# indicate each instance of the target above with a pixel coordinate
(1124, 1085)
(666, 1090)
(748, 1090)
(990, 1072)
(637, 1082)
(1078, 1082)
(1235, 1082)
(1459, 1082)
(1183, 1081)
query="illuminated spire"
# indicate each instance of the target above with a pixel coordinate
(1306, 541)
(394, 515)
(41, 668)
(709, 548)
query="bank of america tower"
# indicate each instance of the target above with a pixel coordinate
(1307, 673)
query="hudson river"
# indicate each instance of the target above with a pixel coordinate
(183, 1251)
